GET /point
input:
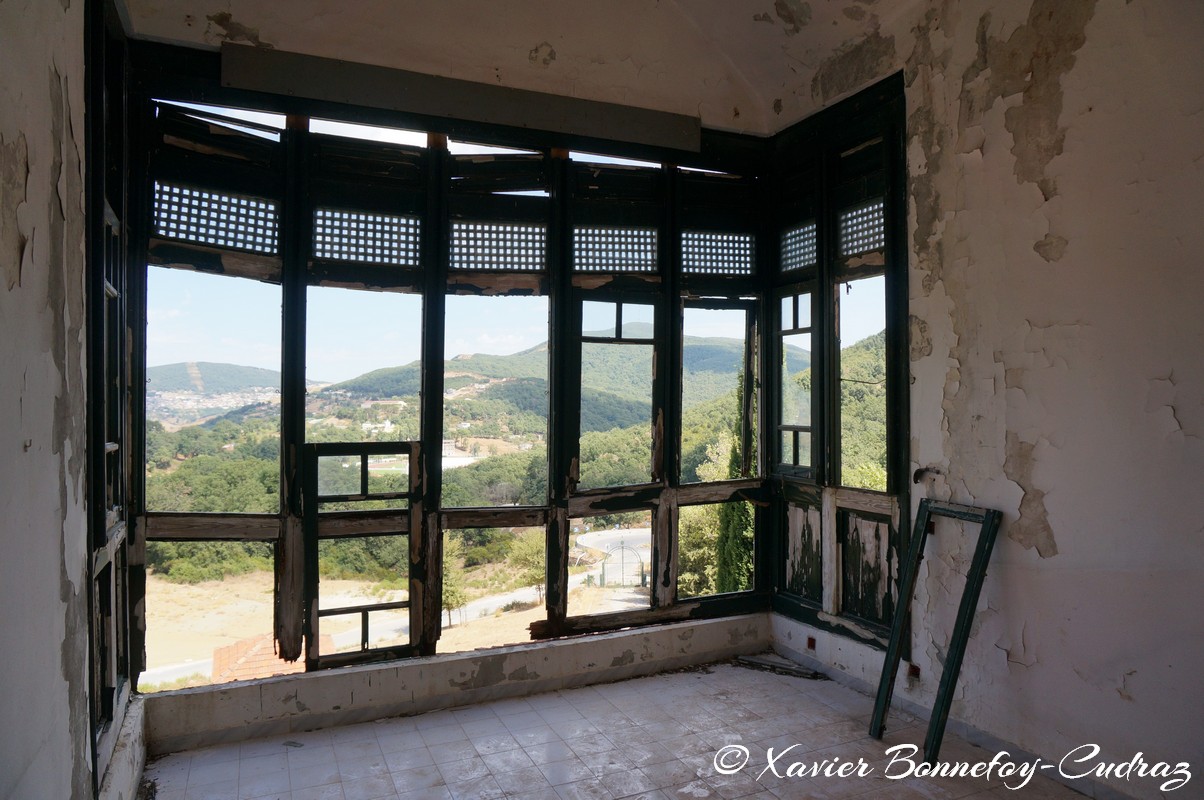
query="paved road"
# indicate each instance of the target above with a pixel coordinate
(604, 540)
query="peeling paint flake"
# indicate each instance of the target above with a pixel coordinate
(1051, 248)
(855, 65)
(1030, 63)
(794, 15)
(921, 340)
(1032, 529)
(232, 31)
(543, 54)
(14, 177)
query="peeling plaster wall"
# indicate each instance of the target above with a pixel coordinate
(1056, 161)
(44, 730)
(1056, 152)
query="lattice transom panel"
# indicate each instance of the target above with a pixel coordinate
(614, 249)
(216, 218)
(799, 247)
(496, 245)
(717, 253)
(863, 229)
(372, 238)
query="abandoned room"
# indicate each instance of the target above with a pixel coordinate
(471, 400)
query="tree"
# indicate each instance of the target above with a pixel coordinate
(455, 595)
(735, 544)
(527, 556)
(697, 541)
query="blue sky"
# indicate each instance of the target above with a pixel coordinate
(198, 317)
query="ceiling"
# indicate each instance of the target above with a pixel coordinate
(753, 66)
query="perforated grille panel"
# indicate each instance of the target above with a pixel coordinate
(224, 220)
(374, 238)
(862, 229)
(799, 248)
(492, 245)
(614, 249)
(717, 253)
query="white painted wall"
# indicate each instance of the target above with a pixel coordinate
(43, 619)
(1056, 172)
(1061, 292)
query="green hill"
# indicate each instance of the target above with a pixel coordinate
(611, 374)
(206, 377)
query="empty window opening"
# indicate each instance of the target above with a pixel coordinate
(370, 133)
(223, 114)
(495, 401)
(212, 393)
(616, 394)
(596, 158)
(715, 549)
(457, 148)
(610, 563)
(493, 586)
(209, 615)
(714, 353)
(363, 593)
(862, 309)
(363, 369)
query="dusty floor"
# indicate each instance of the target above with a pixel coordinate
(655, 738)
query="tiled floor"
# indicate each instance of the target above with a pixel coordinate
(654, 738)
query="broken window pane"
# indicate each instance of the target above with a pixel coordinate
(363, 375)
(493, 586)
(714, 549)
(212, 393)
(495, 401)
(610, 563)
(862, 309)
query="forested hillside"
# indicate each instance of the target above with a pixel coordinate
(209, 378)
(495, 413)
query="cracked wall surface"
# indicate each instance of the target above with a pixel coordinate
(1055, 152)
(44, 728)
(753, 66)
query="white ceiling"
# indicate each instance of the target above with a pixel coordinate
(746, 65)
